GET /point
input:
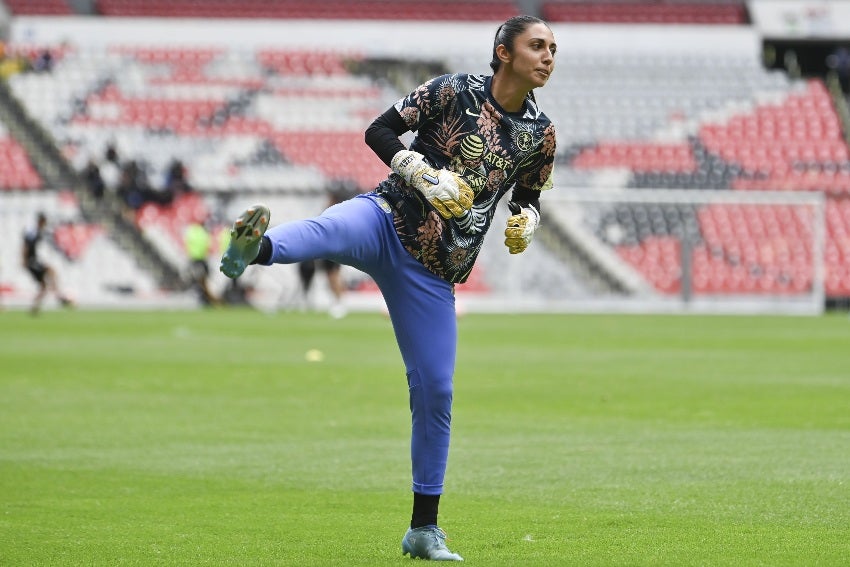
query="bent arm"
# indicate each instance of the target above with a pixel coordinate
(383, 133)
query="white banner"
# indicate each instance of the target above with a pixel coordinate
(815, 19)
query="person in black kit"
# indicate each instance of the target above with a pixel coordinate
(307, 272)
(44, 275)
(308, 268)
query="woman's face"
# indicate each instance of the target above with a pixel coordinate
(533, 57)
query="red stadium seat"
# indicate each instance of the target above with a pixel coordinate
(344, 154)
(469, 10)
(39, 7)
(703, 12)
(638, 157)
(16, 169)
(73, 238)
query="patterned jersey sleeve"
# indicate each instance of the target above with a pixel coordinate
(427, 100)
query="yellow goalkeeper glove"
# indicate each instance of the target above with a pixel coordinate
(444, 189)
(521, 227)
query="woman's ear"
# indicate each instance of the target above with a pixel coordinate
(503, 54)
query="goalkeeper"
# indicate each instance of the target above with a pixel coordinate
(478, 137)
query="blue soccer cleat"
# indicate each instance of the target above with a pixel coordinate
(245, 237)
(428, 542)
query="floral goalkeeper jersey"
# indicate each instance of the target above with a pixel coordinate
(459, 126)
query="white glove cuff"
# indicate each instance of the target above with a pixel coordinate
(532, 213)
(407, 164)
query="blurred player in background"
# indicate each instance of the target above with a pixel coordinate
(308, 268)
(199, 244)
(44, 275)
(419, 232)
(307, 274)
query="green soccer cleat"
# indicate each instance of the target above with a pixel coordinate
(428, 542)
(245, 237)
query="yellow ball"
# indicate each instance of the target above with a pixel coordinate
(314, 355)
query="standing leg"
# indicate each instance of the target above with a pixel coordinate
(39, 298)
(39, 274)
(421, 307)
(422, 310)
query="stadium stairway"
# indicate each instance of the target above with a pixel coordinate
(592, 264)
(58, 174)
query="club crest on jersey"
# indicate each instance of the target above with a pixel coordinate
(524, 141)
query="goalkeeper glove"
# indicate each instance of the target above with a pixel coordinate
(444, 189)
(521, 227)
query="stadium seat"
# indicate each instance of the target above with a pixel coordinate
(74, 238)
(16, 169)
(705, 12)
(462, 10)
(39, 7)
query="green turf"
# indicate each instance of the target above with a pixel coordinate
(206, 438)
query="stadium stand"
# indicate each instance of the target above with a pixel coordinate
(470, 10)
(707, 12)
(739, 248)
(285, 121)
(229, 116)
(92, 267)
(702, 121)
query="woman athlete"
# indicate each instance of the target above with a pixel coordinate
(477, 137)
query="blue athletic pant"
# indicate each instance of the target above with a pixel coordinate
(359, 232)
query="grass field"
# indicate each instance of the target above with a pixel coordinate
(206, 438)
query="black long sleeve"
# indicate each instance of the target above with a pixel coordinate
(524, 197)
(382, 135)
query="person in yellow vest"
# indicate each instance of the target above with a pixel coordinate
(199, 246)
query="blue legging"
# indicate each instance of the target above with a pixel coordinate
(359, 233)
